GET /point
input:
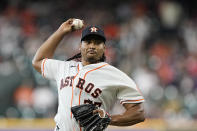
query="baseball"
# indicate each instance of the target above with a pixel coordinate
(78, 24)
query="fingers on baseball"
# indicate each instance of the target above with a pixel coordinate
(70, 21)
(73, 28)
(83, 24)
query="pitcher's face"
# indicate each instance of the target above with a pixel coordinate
(92, 49)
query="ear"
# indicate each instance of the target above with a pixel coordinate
(104, 46)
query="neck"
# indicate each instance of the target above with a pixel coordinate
(85, 62)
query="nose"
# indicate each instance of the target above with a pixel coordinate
(92, 44)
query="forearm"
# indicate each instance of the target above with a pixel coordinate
(125, 120)
(134, 114)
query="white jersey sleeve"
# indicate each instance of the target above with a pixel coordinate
(50, 68)
(127, 91)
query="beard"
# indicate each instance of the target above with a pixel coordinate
(93, 60)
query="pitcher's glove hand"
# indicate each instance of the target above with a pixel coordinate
(90, 117)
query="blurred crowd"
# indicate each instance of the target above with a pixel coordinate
(154, 42)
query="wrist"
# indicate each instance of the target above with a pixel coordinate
(63, 31)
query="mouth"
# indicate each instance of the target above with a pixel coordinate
(91, 52)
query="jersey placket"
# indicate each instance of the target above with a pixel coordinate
(82, 73)
(84, 77)
(73, 86)
(75, 92)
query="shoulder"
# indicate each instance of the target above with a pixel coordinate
(72, 62)
(58, 63)
(117, 74)
(113, 69)
(63, 62)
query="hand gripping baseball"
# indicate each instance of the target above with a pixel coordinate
(90, 117)
(71, 24)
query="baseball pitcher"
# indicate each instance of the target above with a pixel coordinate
(88, 87)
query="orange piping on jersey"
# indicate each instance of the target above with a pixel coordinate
(131, 101)
(93, 70)
(86, 75)
(43, 67)
(72, 88)
(80, 96)
(78, 68)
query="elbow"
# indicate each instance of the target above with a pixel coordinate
(142, 118)
(33, 63)
(36, 65)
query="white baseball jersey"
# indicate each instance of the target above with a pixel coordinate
(100, 84)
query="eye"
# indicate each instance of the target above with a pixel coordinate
(87, 41)
(98, 42)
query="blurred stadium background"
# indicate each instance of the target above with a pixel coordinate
(153, 41)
